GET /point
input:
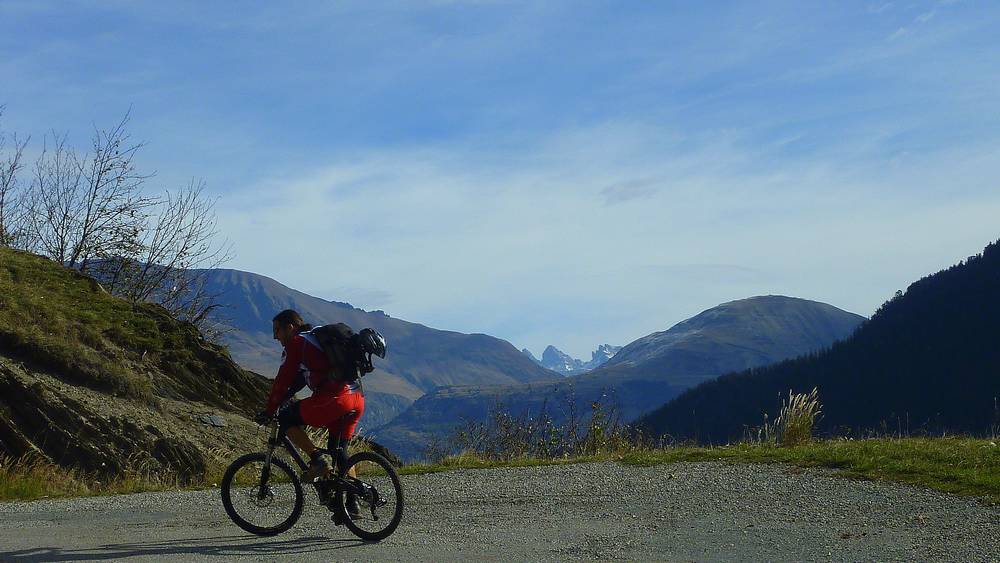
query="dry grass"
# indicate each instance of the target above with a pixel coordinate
(798, 415)
(31, 478)
(505, 437)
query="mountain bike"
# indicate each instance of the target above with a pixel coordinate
(263, 494)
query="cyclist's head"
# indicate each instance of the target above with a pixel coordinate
(287, 324)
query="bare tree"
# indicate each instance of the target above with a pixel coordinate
(168, 265)
(54, 200)
(90, 206)
(12, 205)
(91, 213)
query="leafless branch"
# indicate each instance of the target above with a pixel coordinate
(13, 215)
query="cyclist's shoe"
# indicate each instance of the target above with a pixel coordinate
(317, 468)
(353, 511)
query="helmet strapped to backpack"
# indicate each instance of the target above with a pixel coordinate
(370, 342)
(350, 354)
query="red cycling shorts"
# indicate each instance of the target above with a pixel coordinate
(325, 410)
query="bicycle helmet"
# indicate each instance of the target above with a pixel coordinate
(372, 342)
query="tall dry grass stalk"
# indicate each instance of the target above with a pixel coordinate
(794, 424)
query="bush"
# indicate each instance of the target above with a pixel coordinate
(504, 436)
(794, 425)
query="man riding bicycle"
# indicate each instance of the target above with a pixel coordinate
(334, 396)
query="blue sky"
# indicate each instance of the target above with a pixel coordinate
(569, 173)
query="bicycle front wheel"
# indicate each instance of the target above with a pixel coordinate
(373, 488)
(262, 502)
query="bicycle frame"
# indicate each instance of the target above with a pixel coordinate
(279, 438)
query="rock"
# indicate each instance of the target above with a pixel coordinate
(213, 420)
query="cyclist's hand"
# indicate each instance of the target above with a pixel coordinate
(262, 418)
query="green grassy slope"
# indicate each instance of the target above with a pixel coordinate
(89, 380)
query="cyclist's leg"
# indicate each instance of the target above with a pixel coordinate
(290, 418)
(350, 401)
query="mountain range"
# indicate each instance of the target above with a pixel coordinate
(420, 358)
(644, 374)
(560, 362)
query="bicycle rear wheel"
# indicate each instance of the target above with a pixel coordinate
(378, 493)
(262, 504)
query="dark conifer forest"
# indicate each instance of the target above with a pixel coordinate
(927, 362)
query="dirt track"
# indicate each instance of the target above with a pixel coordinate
(693, 511)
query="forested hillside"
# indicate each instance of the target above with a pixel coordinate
(928, 360)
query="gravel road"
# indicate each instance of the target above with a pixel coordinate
(689, 511)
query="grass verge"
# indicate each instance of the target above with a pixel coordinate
(29, 479)
(962, 466)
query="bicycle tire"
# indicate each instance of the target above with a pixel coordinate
(228, 488)
(387, 476)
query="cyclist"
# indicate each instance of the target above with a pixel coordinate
(304, 363)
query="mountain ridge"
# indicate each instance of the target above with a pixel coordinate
(419, 359)
(937, 336)
(642, 379)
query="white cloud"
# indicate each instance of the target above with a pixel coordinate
(470, 243)
(897, 34)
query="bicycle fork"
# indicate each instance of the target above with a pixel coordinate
(265, 472)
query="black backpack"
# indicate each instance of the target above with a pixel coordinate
(342, 348)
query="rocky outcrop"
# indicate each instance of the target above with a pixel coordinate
(44, 418)
(33, 420)
(96, 383)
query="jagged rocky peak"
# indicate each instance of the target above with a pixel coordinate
(561, 362)
(603, 353)
(557, 360)
(528, 353)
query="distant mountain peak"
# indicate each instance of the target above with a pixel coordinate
(556, 360)
(782, 325)
(603, 353)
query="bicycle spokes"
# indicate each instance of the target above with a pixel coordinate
(372, 496)
(261, 497)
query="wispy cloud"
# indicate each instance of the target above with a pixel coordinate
(627, 191)
(897, 34)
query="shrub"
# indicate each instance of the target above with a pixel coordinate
(798, 415)
(504, 436)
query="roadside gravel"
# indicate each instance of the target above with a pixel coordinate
(688, 511)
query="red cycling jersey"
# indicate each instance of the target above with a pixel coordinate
(303, 354)
(331, 398)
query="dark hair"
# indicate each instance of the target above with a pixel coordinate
(292, 317)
